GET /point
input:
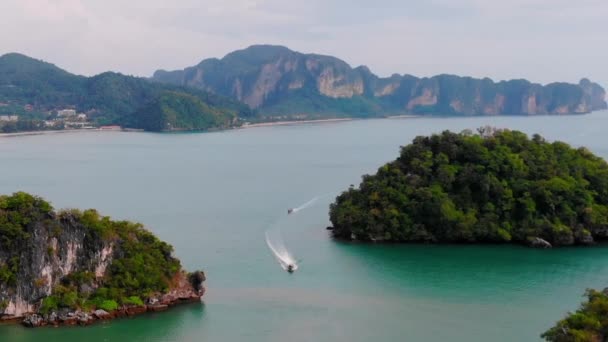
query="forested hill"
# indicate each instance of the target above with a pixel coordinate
(497, 186)
(33, 89)
(279, 81)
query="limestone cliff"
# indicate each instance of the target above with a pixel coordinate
(275, 79)
(54, 263)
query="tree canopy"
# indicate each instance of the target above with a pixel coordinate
(497, 186)
(588, 324)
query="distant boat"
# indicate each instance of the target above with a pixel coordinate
(289, 211)
(291, 268)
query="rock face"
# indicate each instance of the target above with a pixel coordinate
(537, 242)
(50, 256)
(275, 79)
(57, 268)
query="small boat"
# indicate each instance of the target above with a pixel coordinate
(289, 211)
(290, 268)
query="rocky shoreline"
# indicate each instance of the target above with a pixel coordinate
(68, 317)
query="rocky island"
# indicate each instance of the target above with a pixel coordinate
(496, 186)
(76, 267)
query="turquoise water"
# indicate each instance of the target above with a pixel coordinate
(214, 195)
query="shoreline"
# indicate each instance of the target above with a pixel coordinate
(292, 122)
(61, 131)
(79, 317)
(253, 125)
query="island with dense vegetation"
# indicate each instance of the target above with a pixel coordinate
(588, 324)
(497, 186)
(76, 267)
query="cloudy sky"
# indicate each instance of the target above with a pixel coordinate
(542, 40)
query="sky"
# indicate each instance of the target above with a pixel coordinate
(541, 40)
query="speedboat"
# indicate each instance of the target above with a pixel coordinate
(289, 211)
(291, 268)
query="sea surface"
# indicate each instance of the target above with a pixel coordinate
(213, 196)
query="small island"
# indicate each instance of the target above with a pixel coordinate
(73, 267)
(588, 324)
(495, 186)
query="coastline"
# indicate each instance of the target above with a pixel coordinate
(61, 131)
(292, 122)
(245, 126)
(83, 318)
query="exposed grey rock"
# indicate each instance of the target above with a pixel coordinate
(86, 289)
(537, 242)
(53, 317)
(101, 314)
(585, 239)
(50, 255)
(33, 320)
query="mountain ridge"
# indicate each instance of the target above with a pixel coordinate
(275, 79)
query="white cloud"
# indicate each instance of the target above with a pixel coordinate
(544, 40)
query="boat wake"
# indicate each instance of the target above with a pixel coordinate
(309, 203)
(305, 205)
(277, 247)
(275, 243)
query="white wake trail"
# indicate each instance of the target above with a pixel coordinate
(275, 243)
(277, 247)
(311, 202)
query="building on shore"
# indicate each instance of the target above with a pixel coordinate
(9, 118)
(110, 128)
(66, 112)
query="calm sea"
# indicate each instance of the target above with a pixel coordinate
(214, 195)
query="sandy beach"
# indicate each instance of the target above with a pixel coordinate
(261, 124)
(18, 134)
(293, 122)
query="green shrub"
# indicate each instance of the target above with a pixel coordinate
(588, 324)
(50, 303)
(107, 305)
(133, 300)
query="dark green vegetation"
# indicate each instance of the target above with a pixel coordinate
(180, 111)
(35, 238)
(32, 89)
(588, 324)
(497, 186)
(282, 82)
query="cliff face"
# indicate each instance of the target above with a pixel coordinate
(276, 79)
(53, 262)
(49, 256)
